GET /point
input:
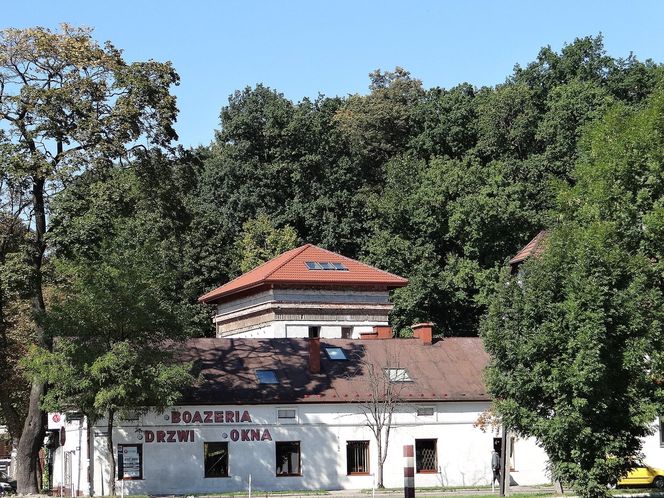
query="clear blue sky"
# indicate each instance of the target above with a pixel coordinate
(305, 47)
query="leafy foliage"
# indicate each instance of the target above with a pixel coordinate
(577, 348)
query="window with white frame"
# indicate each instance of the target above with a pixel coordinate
(286, 415)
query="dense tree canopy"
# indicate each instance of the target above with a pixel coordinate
(438, 185)
(577, 340)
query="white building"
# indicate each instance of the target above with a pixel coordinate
(302, 343)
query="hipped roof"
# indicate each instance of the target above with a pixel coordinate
(448, 370)
(290, 268)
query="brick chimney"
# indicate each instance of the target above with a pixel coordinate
(423, 332)
(378, 332)
(314, 355)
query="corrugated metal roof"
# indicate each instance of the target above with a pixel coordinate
(448, 370)
(290, 268)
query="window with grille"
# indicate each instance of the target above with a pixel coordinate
(216, 459)
(288, 458)
(425, 455)
(357, 457)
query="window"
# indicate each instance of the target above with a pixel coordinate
(425, 455)
(216, 459)
(661, 431)
(425, 411)
(130, 461)
(346, 332)
(288, 458)
(398, 375)
(357, 457)
(267, 377)
(325, 265)
(336, 354)
(286, 414)
(314, 332)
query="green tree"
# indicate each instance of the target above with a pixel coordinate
(576, 342)
(261, 241)
(69, 105)
(115, 340)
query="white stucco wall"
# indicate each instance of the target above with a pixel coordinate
(463, 451)
(328, 329)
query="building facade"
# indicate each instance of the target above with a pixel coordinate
(303, 356)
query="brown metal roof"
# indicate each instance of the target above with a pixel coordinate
(448, 370)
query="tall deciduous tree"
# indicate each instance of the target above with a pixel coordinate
(115, 340)
(577, 341)
(67, 105)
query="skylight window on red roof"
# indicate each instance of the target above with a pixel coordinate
(326, 265)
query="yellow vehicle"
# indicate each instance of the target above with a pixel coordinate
(644, 476)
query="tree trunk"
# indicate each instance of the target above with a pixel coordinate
(379, 441)
(111, 454)
(13, 426)
(32, 436)
(30, 442)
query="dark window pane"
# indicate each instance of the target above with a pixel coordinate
(357, 457)
(314, 332)
(288, 458)
(216, 459)
(346, 332)
(425, 455)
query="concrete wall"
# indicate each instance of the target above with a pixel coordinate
(463, 451)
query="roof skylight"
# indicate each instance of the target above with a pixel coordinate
(336, 354)
(326, 265)
(267, 377)
(397, 375)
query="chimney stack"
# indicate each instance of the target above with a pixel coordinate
(423, 332)
(378, 332)
(314, 355)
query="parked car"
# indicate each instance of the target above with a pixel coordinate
(644, 476)
(7, 486)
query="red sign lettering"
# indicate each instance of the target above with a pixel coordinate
(210, 417)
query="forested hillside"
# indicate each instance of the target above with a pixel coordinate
(438, 185)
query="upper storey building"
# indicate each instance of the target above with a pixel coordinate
(305, 292)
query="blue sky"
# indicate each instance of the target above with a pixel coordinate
(302, 48)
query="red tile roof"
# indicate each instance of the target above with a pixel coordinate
(532, 248)
(451, 369)
(290, 268)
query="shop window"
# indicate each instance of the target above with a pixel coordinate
(288, 458)
(130, 461)
(314, 332)
(216, 459)
(425, 455)
(346, 332)
(357, 457)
